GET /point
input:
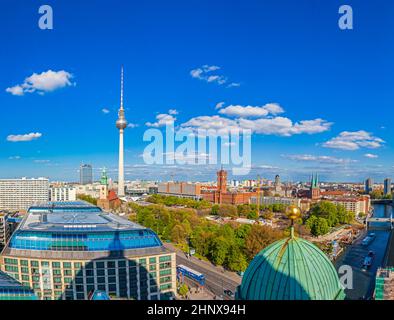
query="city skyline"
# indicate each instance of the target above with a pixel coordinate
(314, 103)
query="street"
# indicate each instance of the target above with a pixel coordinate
(216, 279)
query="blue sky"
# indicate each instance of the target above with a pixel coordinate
(288, 53)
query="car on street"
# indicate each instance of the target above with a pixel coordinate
(229, 293)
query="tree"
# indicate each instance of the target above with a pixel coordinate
(215, 209)
(183, 290)
(178, 234)
(219, 250)
(252, 215)
(87, 198)
(258, 238)
(236, 260)
(244, 210)
(376, 194)
(318, 225)
(227, 210)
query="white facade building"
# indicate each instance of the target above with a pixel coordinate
(20, 194)
(63, 193)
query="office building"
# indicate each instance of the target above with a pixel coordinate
(368, 185)
(276, 200)
(69, 250)
(20, 194)
(387, 186)
(62, 193)
(180, 189)
(85, 174)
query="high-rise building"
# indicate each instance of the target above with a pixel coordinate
(20, 194)
(69, 250)
(85, 174)
(121, 124)
(368, 185)
(62, 193)
(387, 186)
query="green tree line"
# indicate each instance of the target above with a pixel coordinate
(231, 245)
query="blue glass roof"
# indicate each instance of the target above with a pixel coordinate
(10, 289)
(79, 230)
(100, 295)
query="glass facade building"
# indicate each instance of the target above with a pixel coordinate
(10, 289)
(85, 174)
(69, 250)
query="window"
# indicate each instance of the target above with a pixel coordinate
(166, 286)
(152, 260)
(10, 261)
(164, 258)
(165, 272)
(55, 264)
(165, 279)
(67, 265)
(165, 265)
(24, 263)
(24, 270)
(34, 263)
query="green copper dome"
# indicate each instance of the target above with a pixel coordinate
(290, 269)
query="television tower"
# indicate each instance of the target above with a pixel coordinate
(121, 124)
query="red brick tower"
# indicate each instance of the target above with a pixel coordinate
(221, 184)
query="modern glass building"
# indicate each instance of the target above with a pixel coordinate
(85, 174)
(10, 289)
(67, 250)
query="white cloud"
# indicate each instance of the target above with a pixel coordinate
(371, 156)
(319, 159)
(105, 110)
(162, 120)
(172, 112)
(283, 126)
(14, 158)
(250, 111)
(234, 85)
(44, 82)
(132, 125)
(205, 73)
(16, 90)
(24, 137)
(41, 161)
(268, 126)
(219, 105)
(348, 140)
(268, 167)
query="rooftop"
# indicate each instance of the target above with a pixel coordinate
(10, 289)
(73, 228)
(72, 216)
